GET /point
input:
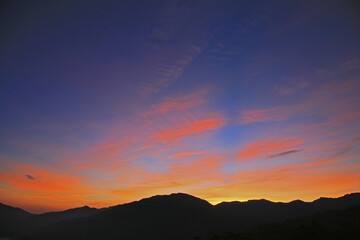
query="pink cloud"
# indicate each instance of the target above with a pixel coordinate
(266, 147)
(189, 128)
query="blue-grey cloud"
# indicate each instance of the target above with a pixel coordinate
(29, 177)
(284, 153)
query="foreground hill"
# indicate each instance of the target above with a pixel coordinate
(11, 220)
(329, 225)
(262, 211)
(15, 221)
(175, 216)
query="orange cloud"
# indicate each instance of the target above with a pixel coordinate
(42, 188)
(266, 147)
(195, 127)
(173, 118)
(98, 156)
(28, 178)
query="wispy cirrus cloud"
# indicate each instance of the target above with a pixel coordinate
(267, 148)
(169, 121)
(188, 176)
(186, 154)
(168, 68)
(178, 103)
(280, 113)
(281, 154)
(188, 129)
(339, 95)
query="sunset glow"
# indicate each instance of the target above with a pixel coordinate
(103, 104)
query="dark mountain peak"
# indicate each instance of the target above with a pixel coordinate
(355, 195)
(174, 196)
(323, 199)
(6, 209)
(179, 199)
(181, 195)
(81, 211)
(81, 208)
(334, 203)
(5, 206)
(258, 201)
(297, 201)
(164, 204)
(253, 202)
(352, 197)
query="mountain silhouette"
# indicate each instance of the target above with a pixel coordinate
(84, 211)
(12, 220)
(15, 221)
(263, 211)
(175, 216)
(328, 225)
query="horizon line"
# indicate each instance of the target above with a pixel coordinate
(176, 193)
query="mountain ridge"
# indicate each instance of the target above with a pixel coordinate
(149, 216)
(180, 193)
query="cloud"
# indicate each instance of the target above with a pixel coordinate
(267, 146)
(29, 177)
(187, 129)
(355, 140)
(342, 152)
(49, 189)
(284, 153)
(178, 177)
(352, 64)
(285, 90)
(280, 113)
(171, 119)
(178, 103)
(47, 180)
(340, 96)
(168, 68)
(290, 89)
(186, 154)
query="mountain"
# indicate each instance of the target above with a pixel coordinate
(328, 225)
(254, 212)
(50, 217)
(11, 219)
(176, 216)
(15, 221)
(37, 221)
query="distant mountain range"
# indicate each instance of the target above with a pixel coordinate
(181, 216)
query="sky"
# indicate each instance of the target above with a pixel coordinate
(108, 102)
